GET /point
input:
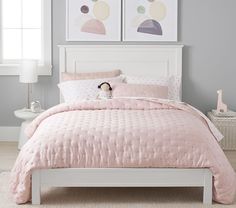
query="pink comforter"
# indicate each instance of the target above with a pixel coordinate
(122, 133)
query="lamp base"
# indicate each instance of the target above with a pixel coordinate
(29, 94)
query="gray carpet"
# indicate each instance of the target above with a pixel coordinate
(110, 197)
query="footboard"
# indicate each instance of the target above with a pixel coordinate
(122, 177)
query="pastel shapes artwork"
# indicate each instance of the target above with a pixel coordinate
(94, 26)
(101, 10)
(158, 10)
(141, 9)
(84, 9)
(150, 26)
(94, 20)
(138, 20)
(150, 20)
(80, 20)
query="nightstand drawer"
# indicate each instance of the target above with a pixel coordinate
(227, 127)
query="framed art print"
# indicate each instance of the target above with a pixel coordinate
(150, 20)
(93, 20)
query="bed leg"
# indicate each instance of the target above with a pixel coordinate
(36, 188)
(207, 189)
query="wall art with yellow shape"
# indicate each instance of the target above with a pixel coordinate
(150, 20)
(93, 20)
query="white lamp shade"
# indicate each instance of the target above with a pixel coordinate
(28, 71)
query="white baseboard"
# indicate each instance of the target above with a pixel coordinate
(9, 133)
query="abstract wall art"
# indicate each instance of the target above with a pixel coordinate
(93, 20)
(150, 20)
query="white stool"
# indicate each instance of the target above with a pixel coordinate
(28, 116)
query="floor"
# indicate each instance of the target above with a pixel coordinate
(8, 154)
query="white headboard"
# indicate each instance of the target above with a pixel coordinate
(146, 60)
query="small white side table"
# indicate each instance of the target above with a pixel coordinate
(27, 115)
(227, 126)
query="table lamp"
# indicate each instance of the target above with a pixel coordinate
(29, 75)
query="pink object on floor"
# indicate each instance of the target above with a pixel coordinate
(123, 133)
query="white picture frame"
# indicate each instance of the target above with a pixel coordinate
(140, 20)
(93, 20)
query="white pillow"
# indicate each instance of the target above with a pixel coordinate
(172, 82)
(84, 89)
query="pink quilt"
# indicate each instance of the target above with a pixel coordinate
(123, 133)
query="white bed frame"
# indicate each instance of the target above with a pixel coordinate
(145, 60)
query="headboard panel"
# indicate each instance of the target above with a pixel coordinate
(144, 60)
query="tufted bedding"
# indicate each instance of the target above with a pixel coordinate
(123, 133)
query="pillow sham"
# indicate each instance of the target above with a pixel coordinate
(84, 89)
(147, 80)
(90, 75)
(139, 90)
(172, 82)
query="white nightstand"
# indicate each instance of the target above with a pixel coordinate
(27, 115)
(227, 126)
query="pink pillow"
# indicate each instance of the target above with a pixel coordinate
(90, 75)
(140, 90)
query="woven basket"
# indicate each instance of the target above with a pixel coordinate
(227, 126)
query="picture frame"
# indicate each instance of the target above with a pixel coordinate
(150, 20)
(93, 20)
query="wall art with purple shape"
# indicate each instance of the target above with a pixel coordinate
(93, 20)
(150, 20)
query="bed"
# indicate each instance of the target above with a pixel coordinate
(146, 163)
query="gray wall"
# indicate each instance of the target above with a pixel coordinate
(206, 28)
